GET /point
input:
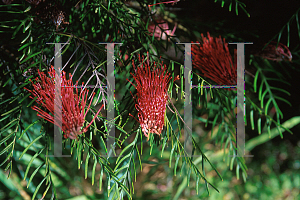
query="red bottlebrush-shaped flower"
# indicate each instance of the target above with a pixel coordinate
(276, 53)
(151, 85)
(213, 59)
(72, 104)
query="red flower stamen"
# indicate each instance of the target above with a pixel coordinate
(72, 104)
(151, 84)
(213, 59)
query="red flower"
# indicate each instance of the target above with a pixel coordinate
(213, 59)
(276, 53)
(72, 104)
(151, 85)
(161, 31)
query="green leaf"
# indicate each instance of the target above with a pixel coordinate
(36, 139)
(118, 162)
(3, 102)
(33, 100)
(6, 148)
(255, 80)
(9, 125)
(267, 106)
(189, 176)
(27, 9)
(284, 100)
(87, 164)
(260, 91)
(48, 187)
(238, 172)
(93, 172)
(38, 187)
(21, 86)
(170, 159)
(18, 28)
(12, 110)
(7, 158)
(27, 44)
(280, 89)
(25, 97)
(231, 163)
(252, 119)
(163, 145)
(100, 180)
(31, 160)
(26, 38)
(30, 56)
(259, 125)
(120, 169)
(262, 98)
(6, 138)
(28, 128)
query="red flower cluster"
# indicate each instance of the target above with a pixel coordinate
(213, 59)
(72, 104)
(151, 85)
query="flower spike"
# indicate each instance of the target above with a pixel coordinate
(72, 104)
(213, 59)
(152, 83)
